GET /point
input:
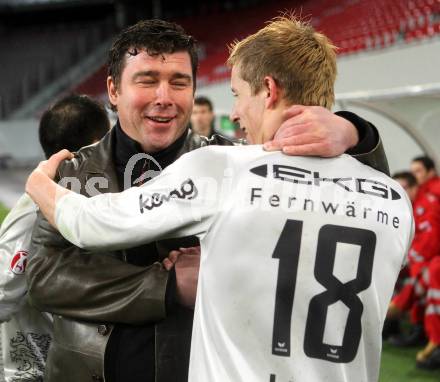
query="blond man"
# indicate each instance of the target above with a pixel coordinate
(299, 255)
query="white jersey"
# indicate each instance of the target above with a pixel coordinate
(299, 258)
(25, 332)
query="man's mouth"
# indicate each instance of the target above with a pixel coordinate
(160, 119)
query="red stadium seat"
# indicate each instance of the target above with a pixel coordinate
(352, 26)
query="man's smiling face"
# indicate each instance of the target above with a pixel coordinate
(154, 98)
(248, 108)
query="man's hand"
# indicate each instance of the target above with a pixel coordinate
(169, 261)
(42, 189)
(314, 131)
(49, 167)
(187, 263)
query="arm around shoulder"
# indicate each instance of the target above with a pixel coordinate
(369, 149)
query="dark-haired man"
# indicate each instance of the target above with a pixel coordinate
(128, 320)
(202, 117)
(72, 122)
(423, 168)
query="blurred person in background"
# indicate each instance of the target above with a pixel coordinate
(423, 168)
(202, 117)
(424, 249)
(429, 287)
(72, 122)
(121, 316)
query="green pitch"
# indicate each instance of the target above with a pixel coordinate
(3, 212)
(399, 365)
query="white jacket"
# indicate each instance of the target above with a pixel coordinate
(25, 332)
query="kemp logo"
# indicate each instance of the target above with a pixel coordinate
(188, 190)
(19, 262)
(303, 176)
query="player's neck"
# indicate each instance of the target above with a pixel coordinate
(272, 121)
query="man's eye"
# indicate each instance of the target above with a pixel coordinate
(180, 84)
(146, 82)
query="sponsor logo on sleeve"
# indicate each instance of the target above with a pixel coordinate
(187, 190)
(19, 262)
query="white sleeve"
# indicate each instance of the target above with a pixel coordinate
(181, 201)
(15, 240)
(411, 231)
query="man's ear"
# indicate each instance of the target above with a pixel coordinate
(112, 91)
(272, 92)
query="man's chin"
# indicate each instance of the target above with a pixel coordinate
(158, 138)
(160, 144)
(159, 141)
(250, 140)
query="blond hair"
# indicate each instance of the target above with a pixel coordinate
(301, 61)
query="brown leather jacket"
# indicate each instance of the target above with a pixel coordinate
(65, 281)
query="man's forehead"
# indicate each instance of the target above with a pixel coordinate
(235, 71)
(165, 58)
(142, 61)
(237, 82)
(234, 76)
(201, 107)
(417, 164)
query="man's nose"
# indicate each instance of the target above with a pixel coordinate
(163, 95)
(233, 116)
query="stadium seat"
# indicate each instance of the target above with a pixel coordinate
(352, 26)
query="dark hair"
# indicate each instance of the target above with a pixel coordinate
(203, 101)
(156, 37)
(427, 162)
(407, 176)
(71, 123)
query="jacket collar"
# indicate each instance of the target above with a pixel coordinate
(125, 147)
(100, 163)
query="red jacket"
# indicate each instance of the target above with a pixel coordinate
(426, 243)
(432, 187)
